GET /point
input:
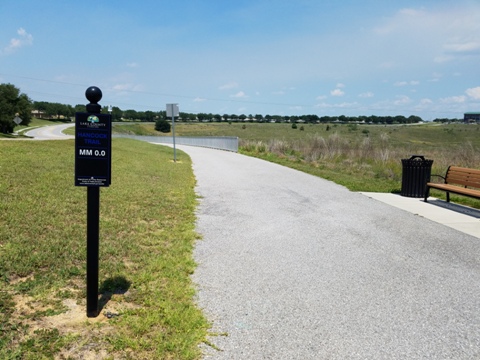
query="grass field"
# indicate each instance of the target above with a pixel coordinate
(146, 239)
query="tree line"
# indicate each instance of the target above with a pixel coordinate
(57, 110)
(13, 103)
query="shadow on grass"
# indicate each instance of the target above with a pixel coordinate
(117, 285)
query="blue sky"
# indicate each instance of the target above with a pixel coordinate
(368, 57)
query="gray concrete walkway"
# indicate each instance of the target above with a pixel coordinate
(292, 266)
(462, 218)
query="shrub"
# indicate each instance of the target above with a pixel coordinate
(294, 126)
(162, 126)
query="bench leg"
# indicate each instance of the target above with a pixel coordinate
(448, 196)
(427, 192)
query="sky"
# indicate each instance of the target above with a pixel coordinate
(269, 57)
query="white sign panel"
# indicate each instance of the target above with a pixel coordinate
(172, 110)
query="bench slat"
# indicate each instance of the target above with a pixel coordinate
(463, 179)
(463, 176)
(455, 189)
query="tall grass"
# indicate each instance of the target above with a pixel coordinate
(362, 163)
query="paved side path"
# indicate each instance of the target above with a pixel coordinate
(295, 267)
(53, 132)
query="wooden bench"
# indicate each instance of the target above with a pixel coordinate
(457, 180)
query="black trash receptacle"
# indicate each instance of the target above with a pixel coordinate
(416, 173)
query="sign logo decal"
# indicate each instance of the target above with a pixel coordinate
(93, 119)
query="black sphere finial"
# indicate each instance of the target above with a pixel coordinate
(94, 95)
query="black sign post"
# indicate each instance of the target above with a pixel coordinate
(93, 137)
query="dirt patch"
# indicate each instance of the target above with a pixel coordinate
(90, 332)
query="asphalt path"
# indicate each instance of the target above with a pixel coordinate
(53, 132)
(292, 266)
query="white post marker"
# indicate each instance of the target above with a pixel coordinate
(172, 110)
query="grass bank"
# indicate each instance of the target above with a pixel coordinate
(146, 239)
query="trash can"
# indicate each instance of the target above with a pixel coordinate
(416, 173)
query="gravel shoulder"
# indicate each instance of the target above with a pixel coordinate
(292, 266)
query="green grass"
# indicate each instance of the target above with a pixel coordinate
(422, 137)
(147, 232)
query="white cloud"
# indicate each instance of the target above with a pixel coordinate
(402, 100)
(443, 58)
(474, 92)
(127, 87)
(199, 99)
(387, 65)
(280, 92)
(122, 87)
(230, 85)
(404, 83)
(426, 101)
(367, 94)
(465, 47)
(340, 85)
(337, 92)
(132, 65)
(321, 97)
(24, 39)
(441, 33)
(240, 95)
(454, 99)
(340, 106)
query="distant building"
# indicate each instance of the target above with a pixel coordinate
(38, 114)
(471, 117)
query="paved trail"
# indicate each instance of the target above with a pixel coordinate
(54, 132)
(295, 267)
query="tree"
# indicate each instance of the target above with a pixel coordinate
(162, 125)
(13, 103)
(116, 113)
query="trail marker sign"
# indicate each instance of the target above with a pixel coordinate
(93, 149)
